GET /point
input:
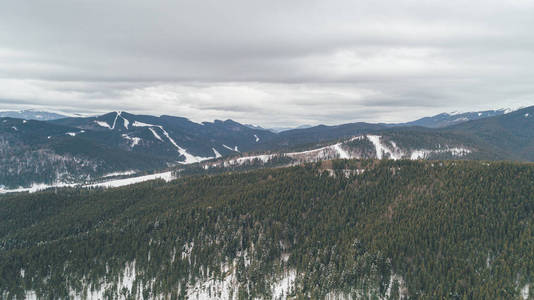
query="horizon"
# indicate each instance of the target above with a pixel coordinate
(296, 126)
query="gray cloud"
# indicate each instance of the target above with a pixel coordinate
(300, 61)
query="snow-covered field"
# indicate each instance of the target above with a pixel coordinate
(167, 176)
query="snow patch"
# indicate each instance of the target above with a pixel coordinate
(257, 138)
(156, 135)
(342, 153)
(189, 158)
(217, 154)
(214, 289)
(126, 122)
(284, 286)
(134, 140)
(526, 115)
(14, 128)
(525, 292)
(425, 153)
(382, 150)
(167, 176)
(123, 173)
(115, 121)
(235, 149)
(241, 160)
(103, 124)
(35, 187)
(141, 124)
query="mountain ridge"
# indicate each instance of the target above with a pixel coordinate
(120, 141)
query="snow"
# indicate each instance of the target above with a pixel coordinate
(419, 154)
(103, 124)
(30, 295)
(167, 176)
(226, 289)
(342, 153)
(230, 148)
(189, 158)
(402, 285)
(14, 128)
(526, 115)
(126, 122)
(156, 135)
(217, 154)
(24, 121)
(35, 187)
(134, 140)
(479, 114)
(257, 138)
(241, 160)
(141, 124)
(382, 149)
(71, 133)
(327, 152)
(283, 287)
(115, 121)
(424, 153)
(525, 291)
(123, 173)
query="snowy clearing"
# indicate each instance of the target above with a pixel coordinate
(167, 176)
(103, 124)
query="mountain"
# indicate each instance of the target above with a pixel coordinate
(343, 229)
(507, 136)
(449, 119)
(510, 135)
(173, 137)
(72, 150)
(42, 152)
(82, 149)
(280, 129)
(31, 114)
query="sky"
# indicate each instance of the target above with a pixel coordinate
(272, 63)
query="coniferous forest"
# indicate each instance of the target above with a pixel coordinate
(354, 228)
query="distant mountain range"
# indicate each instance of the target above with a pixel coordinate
(31, 114)
(81, 149)
(448, 119)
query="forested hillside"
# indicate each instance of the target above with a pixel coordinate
(80, 150)
(354, 228)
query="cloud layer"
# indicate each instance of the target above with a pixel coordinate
(273, 63)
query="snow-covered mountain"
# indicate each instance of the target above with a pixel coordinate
(82, 149)
(453, 118)
(31, 114)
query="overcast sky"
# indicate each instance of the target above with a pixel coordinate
(272, 63)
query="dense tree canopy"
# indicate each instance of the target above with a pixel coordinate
(437, 229)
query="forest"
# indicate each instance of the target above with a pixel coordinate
(373, 229)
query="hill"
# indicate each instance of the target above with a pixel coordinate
(77, 150)
(386, 229)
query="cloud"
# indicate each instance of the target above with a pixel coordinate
(273, 63)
